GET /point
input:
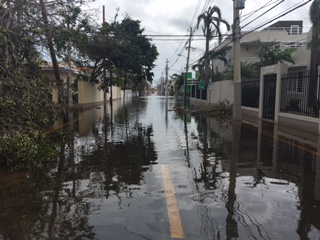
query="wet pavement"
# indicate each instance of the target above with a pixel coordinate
(148, 172)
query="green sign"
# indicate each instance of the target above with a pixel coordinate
(197, 74)
(201, 85)
(188, 76)
(188, 89)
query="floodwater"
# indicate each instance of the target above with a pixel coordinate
(148, 172)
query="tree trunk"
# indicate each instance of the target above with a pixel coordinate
(53, 59)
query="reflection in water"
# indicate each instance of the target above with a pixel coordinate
(279, 169)
(232, 181)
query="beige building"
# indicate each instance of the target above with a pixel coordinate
(282, 34)
(81, 92)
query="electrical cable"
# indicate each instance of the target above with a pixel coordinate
(283, 14)
(255, 11)
(263, 13)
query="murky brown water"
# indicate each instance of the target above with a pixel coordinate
(230, 181)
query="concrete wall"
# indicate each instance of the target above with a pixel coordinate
(301, 57)
(222, 90)
(309, 124)
(250, 114)
(126, 94)
(88, 92)
(116, 93)
(49, 75)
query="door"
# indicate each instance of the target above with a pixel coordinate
(269, 96)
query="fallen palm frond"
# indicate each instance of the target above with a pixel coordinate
(219, 109)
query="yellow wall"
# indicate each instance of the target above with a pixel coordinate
(88, 93)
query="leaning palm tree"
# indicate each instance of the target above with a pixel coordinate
(211, 28)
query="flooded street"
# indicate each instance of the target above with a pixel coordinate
(148, 172)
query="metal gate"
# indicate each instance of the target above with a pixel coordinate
(269, 96)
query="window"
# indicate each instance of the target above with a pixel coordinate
(294, 30)
(294, 83)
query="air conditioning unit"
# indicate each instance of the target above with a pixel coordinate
(240, 4)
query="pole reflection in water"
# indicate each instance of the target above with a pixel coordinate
(231, 223)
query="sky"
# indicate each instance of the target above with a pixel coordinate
(176, 17)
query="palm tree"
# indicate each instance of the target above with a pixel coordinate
(212, 55)
(211, 28)
(217, 55)
(178, 80)
(200, 67)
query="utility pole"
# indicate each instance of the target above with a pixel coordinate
(236, 63)
(187, 68)
(162, 84)
(166, 85)
(104, 69)
(69, 98)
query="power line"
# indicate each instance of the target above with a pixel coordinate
(263, 13)
(253, 12)
(289, 11)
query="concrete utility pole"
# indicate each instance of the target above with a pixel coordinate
(104, 69)
(166, 84)
(69, 95)
(186, 75)
(236, 63)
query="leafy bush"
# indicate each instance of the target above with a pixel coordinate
(293, 105)
(25, 149)
(26, 111)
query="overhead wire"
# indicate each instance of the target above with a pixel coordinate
(193, 17)
(198, 5)
(205, 6)
(277, 17)
(248, 15)
(263, 13)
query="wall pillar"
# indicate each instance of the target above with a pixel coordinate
(277, 69)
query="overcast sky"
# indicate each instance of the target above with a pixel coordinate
(175, 17)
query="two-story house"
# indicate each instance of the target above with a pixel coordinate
(281, 34)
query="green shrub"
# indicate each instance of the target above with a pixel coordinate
(293, 105)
